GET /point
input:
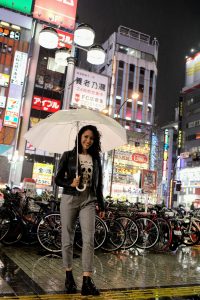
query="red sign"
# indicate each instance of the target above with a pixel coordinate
(45, 104)
(58, 12)
(65, 39)
(139, 158)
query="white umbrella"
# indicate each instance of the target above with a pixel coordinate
(57, 133)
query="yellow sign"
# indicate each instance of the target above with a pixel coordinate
(42, 173)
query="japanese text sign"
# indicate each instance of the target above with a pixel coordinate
(19, 68)
(42, 173)
(89, 89)
(46, 104)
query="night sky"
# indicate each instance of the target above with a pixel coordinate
(176, 25)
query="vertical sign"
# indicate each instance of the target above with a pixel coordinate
(11, 117)
(58, 12)
(180, 130)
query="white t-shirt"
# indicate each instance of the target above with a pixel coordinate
(86, 168)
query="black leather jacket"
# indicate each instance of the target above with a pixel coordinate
(67, 172)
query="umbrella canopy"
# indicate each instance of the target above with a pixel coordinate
(57, 133)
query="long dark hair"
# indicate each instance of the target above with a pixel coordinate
(95, 148)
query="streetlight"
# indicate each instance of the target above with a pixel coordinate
(134, 97)
(83, 39)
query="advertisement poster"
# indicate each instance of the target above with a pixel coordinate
(42, 173)
(89, 89)
(148, 181)
(46, 104)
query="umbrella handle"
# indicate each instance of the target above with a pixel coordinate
(81, 190)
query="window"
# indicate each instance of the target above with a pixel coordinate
(141, 88)
(142, 70)
(121, 64)
(130, 85)
(131, 68)
(139, 113)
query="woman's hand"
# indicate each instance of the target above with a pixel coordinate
(76, 181)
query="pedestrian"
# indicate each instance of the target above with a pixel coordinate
(81, 204)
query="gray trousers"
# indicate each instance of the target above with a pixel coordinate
(70, 208)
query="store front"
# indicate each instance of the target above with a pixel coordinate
(190, 187)
(15, 37)
(128, 162)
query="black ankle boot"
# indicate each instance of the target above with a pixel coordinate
(70, 284)
(88, 287)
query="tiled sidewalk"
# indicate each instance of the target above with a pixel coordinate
(27, 271)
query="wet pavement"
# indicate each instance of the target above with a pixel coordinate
(30, 273)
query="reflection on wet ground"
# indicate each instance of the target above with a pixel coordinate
(123, 275)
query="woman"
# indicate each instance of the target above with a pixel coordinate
(82, 204)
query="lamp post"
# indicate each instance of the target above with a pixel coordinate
(83, 39)
(134, 98)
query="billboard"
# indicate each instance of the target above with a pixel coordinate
(58, 12)
(42, 173)
(89, 89)
(65, 39)
(46, 104)
(148, 181)
(22, 6)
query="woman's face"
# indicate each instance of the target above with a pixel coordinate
(87, 139)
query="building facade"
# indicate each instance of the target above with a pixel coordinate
(131, 64)
(190, 146)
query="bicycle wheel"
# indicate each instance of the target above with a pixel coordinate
(116, 235)
(148, 233)
(99, 236)
(4, 225)
(131, 230)
(14, 233)
(190, 234)
(49, 233)
(165, 234)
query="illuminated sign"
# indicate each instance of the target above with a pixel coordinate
(42, 173)
(4, 80)
(139, 158)
(58, 12)
(11, 117)
(89, 89)
(65, 39)
(15, 35)
(165, 154)
(23, 6)
(180, 136)
(46, 104)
